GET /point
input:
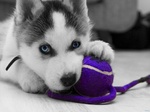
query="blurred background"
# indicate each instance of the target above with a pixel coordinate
(125, 24)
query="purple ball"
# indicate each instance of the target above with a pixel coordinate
(96, 79)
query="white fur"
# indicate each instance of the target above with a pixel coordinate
(35, 70)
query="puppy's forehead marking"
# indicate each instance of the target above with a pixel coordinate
(60, 36)
(58, 21)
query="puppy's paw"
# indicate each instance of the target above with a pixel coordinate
(100, 50)
(32, 83)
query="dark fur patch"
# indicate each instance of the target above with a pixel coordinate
(34, 29)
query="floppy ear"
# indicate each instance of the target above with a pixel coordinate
(27, 9)
(79, 7)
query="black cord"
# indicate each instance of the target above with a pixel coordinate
(143, 79)
(12, 62)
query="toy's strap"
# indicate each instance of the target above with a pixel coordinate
(83, 99)
(126, 87)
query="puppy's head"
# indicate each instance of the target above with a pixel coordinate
(52, 38)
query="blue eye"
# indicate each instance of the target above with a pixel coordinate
(75, 44)
(45, 49)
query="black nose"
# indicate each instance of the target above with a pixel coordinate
(68, 79)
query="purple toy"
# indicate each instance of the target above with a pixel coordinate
(95, 84)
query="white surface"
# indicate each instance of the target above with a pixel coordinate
(127, 67)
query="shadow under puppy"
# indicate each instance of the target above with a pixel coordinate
(51, 38)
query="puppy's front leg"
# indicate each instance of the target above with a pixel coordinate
(100, 50)
(30, 81)
(19, 73)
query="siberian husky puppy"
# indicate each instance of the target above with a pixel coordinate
(50, 39)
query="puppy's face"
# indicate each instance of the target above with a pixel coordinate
(52, 39)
